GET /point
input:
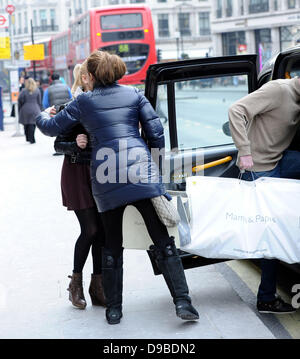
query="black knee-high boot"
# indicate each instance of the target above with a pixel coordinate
(112, 280)
(169, 263)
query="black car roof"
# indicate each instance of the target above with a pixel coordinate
(269, 65)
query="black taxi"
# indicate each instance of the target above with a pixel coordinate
(195, 117)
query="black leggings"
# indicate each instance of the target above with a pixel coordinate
(113, 220)
(29, 131)
(92, 235)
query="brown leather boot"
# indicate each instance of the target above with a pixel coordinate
(75, 289)
(96, 290)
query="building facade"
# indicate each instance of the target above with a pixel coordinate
(264, 27)
(48, 18)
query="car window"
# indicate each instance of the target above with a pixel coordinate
(202, 109)
(294, 70)
(162, 111)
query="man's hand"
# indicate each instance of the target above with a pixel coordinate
(246, 162)
(51, 111)
(82, 141)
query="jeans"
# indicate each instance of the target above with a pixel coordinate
(288, 167)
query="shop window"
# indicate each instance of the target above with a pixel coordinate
(231, 42)
(263, 43)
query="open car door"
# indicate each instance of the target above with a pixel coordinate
(192, 98)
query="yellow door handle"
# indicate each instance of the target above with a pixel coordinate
(212, 164)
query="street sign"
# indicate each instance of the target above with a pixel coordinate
(14, 85)
(3, 21)
(10, 9)
(34, 52)
(5, 48)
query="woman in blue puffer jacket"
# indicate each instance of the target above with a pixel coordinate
(123, 172)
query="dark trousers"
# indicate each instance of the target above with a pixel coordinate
(29, 132)
(113, 222)
(288, 167)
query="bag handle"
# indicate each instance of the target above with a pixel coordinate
(241, 174)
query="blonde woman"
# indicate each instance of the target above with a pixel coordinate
(77, 196)
(30, 105)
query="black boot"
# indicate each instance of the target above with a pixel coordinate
(169, 263)
(112, 280)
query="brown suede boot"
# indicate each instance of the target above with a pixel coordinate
(96, 290)
(75, 289)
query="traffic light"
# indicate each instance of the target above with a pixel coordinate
(158, 53)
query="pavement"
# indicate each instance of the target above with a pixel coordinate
(36, 254)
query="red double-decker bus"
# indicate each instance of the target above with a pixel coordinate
(126, 31)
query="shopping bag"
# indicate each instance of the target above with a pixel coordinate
(236, 219)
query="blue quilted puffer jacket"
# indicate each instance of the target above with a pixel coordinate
(122, 168)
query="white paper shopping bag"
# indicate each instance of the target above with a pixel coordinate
(237, 219)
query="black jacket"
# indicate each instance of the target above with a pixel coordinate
(66, 144)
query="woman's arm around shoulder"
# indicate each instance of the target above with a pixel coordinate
(60, 123)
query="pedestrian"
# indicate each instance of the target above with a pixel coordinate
(39, 85)
(56, 94)
(77, 196)
(21, 87)
(29, 105)
(263, 125)
(111, 113)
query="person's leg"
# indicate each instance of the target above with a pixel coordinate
(168, 260)
(267, 287)
(97, 244)
(267, 300)
(89, 230)
(88, 220)
(96, 287)
(26, 132)
(112, 263)
(31, 130)
(33, 133)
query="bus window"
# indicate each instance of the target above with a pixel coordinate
(134, 55)
(121, 21)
